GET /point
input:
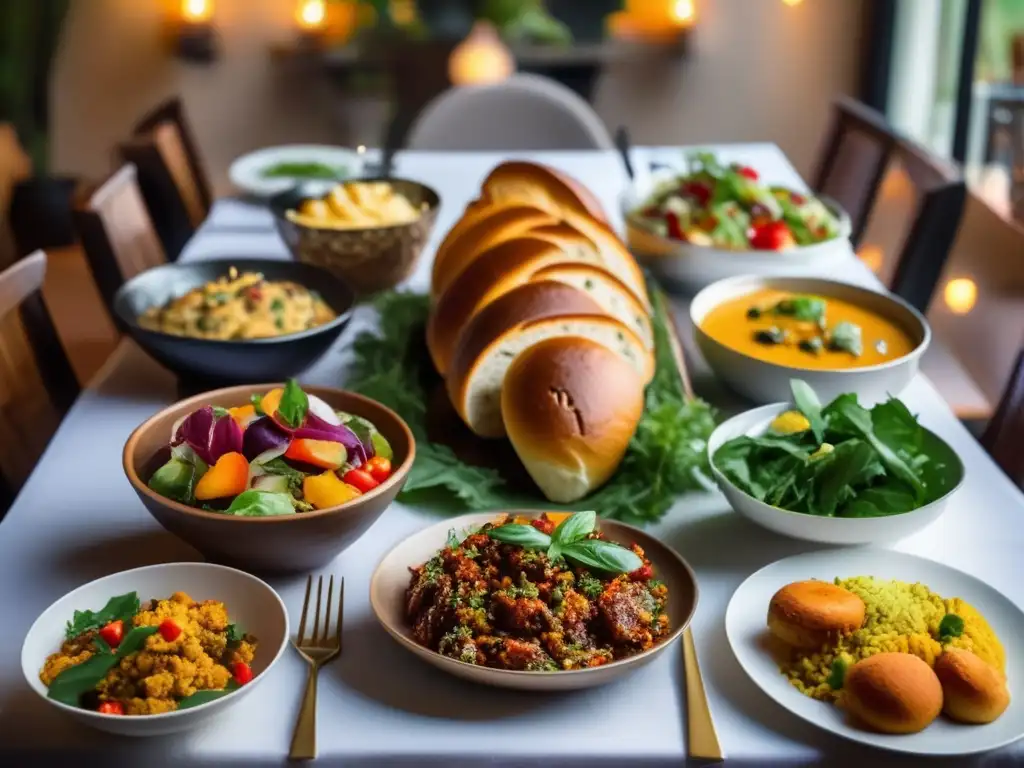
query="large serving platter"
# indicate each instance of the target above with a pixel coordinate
(745, 625)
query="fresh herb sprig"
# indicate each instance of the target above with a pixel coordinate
(666, 457)
(951, 626)
(569, 540)
(122, 607)
(74, 682)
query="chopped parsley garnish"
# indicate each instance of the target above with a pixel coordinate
(838, 673)
(589, 586)
(951, 626)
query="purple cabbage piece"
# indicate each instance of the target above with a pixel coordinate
(196, 430)
(316, 428)
(225, 438)
(262, 435)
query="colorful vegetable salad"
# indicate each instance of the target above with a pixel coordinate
(134, 659)
(727, 206)
(284, 452)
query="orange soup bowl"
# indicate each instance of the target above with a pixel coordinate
(301, 542)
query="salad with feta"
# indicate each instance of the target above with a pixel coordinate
(284, 452)
(728, 207)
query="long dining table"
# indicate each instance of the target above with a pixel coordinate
(77, 519)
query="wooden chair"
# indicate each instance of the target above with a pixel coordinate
(37, 384)
(1002, 436)
(181, 144)
(117, 233)
(861, 149)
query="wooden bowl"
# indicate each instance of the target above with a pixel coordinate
(370, 259)
(292, 543)
(391, 579)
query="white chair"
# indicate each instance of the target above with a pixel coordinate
(523, 112)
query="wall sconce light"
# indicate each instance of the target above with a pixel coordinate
(481, 58)
(311, 18)
(960, 295)
(195, 37)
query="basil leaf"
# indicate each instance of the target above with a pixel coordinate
(803, 308)
(122, 607)
(808, 404)
(71, 684)
(176, 480)
(204, 697)
(294, 405)
(234, 634)
(575, 527)
(261, 504)
(520, 535)
(602, 555)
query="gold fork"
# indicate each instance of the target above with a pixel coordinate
(322, 648)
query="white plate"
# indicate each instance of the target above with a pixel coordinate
(745, 626)
(251, 603)
(246, 172)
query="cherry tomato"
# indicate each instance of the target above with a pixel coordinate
(111, 708)
(242, 672)
(747, 171)
(675, 229)
(169, 630)
(698, 190)
(544, 526)
(379, 468)
(360, 479)
(773, 236)
(643, 573)
(797, 198)
(112, 633)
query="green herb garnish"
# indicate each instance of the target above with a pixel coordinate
(122, 607)
(234, 634)
(256, 401)
(803, 308)
(300, 170)
(294, 405)
(667, 455)
(837, 676)
(70, 685)
(951, 626)
(846, 337)
(254, 503)
(204, 697)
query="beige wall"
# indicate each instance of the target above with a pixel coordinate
(757, 70)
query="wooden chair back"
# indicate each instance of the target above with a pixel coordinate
(174, 210)
(15, 166)
(1002, 437)
(37, 383)
(183, 145)
(117, 233)
(860, 151)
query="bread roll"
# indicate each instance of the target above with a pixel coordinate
(479, 230)
(554, 192)
(490, 276)
(493, 339)
(810, 614)
(570, 406)
(892, 693)
(973, 691)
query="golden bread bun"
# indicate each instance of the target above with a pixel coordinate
(973, 691)
(809, 614)
(892, 693)
(570, 407)
(479, 230)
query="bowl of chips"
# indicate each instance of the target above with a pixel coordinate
(368, 232)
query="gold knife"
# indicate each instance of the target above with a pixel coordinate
(701, 739)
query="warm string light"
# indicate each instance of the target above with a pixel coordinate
(682, 11)
(960, 294)
(792, 2)
(481, 58)
(311, 14)
(196, 11)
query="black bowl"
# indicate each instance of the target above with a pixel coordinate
(236, 361)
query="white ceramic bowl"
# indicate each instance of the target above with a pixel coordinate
(250, 602)
(391, 579)
(246, 172)
(764, 382)
(825, 530)
(692, 267)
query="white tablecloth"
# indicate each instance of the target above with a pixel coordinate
(78, 519)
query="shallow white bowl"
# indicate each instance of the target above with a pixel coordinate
(694, 266)
(764, 382)
(825, 530)
(246, 172)
(250, 602)
(391, 579)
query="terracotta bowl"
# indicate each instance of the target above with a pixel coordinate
(301, 542)
(370, 259)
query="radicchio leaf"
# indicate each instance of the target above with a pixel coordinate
(196, 430)
(261, 436)
(316, 428)
(226, 438)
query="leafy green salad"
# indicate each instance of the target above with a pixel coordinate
(729, 207)
(841, 460)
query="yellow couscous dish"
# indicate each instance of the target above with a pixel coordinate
(129, 659)
(898, 617)
(242, 306)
